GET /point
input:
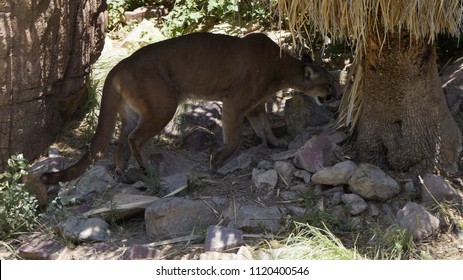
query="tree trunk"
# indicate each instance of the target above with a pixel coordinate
(405, 121)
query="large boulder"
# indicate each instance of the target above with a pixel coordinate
(46, 49)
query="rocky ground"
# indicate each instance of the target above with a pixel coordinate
(256, 196)
(180, 210)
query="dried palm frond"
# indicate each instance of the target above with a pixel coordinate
(354, 20)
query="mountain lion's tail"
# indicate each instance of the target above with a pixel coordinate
(110, 103)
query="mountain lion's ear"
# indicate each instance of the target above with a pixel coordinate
(306, 58)
(309, 73)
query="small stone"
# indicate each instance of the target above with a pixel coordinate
(242, 161)
(257, 219)
(285, 170)
(373, 210)
(436, 187)
(334, 195)
(303, 175)
(283, 155)
(36, 247)
(417, 220)
(355, 203)
(319, 151)
(296, 210)
(140, 185)
(265, 165)
(370, 182)
(81, 229)
(288, 195)
(178, 216)
(409, 187)
(300, 188)
(264, 180)
(336, 198)
(338, 174)
(171, 183)
(167, 164)
(96, 180)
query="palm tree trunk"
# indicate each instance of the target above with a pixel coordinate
(405, 121)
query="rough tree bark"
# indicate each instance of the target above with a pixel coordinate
(46, 49)
(405, 121)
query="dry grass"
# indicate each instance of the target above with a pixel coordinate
(355, 20)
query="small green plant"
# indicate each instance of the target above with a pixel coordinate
(196, 181)
(117, 8)
(17, 206)
(393, 243)
(199, 15)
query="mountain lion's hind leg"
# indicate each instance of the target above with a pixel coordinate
(155, 110)
(129, 120)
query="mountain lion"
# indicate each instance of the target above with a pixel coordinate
(146, 88)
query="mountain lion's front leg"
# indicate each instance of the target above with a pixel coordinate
(258, 119)
(232, 122)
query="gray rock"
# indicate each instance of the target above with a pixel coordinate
(336, 198)
(417, 220)
(94, 181)
(242, 161)
(219, 238)
(283, 155)
(300, 188)
(134, 175)
(38, 247)
(334, 195)
(288, 195)
(296, 210)
(285, 170)
(338, 174)
(321, 150)
(303, 175)
(80, 229)
(171, 183)
(256, 219)
(124, 206)
(436, 187)
(355, 203)
(265, 165)
(174, 216)
(389, 213)
(371, 183)
(264, 180)
(373, 210)
(168, 164)
(409, 187)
